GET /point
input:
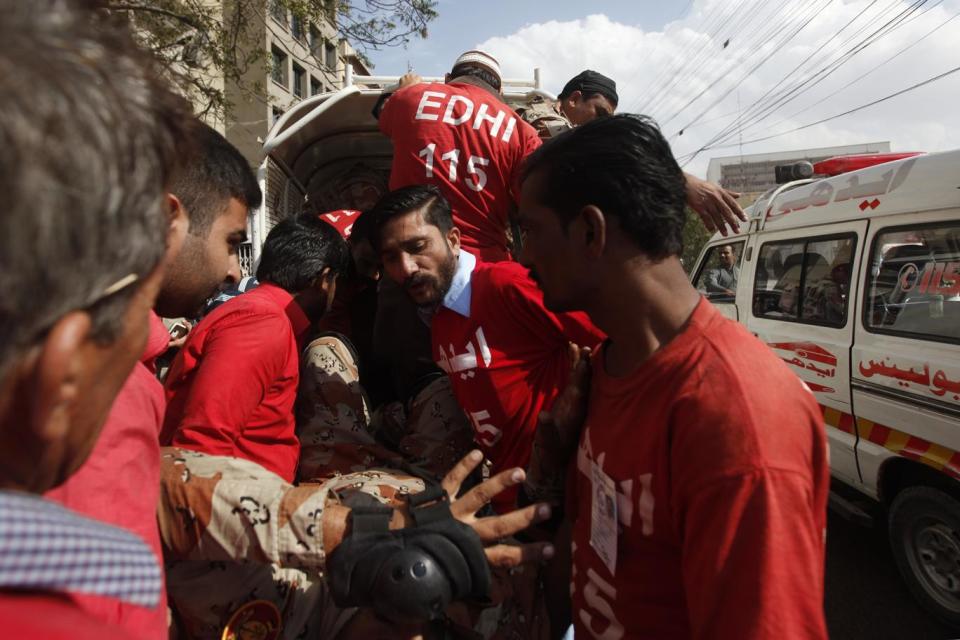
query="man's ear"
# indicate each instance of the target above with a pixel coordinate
(56, 376)
(177, 228)
(594, 228)
(453, 239)
(327, 284)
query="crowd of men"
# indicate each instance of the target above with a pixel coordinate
(411, 424)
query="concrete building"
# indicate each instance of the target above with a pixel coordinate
(297, 60)
(302, 60)
(753, 174)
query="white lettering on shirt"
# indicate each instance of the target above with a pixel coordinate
(593, 593)
(425, 103)
(483, 117)
(448, 114)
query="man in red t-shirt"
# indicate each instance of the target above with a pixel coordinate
(231, 389)
(701, 476)
(461, 137)
(505, 354)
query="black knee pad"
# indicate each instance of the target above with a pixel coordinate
(409, 575)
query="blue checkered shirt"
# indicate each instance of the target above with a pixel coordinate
(46, 547)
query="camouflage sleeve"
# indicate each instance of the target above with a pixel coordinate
(217, 508)
(544, 117)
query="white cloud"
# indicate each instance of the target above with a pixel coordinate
(684, 57)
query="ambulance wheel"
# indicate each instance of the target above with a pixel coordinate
(924, 526)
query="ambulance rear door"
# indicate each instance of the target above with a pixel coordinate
(801, 305)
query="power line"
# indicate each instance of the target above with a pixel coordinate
(761, 110)
(790, 37)
(683, 60)
(833, 117)
(849, 84)
(725, 74)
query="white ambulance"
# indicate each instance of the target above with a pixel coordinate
(854, 281)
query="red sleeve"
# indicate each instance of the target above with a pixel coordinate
(240, 360)
(524, 298)
(752, 536)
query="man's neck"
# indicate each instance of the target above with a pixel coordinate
(641, 307)
(477, 83)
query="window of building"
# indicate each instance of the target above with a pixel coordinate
(315, 87)
(278, 12)
(913, 286)
(278, 67)
(718, 278)
(315, 41)
(296, 26)
(275, 114)
(299, 80)
(331, 60)
(805, 280)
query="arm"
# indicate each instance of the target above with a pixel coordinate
(385, 110)
(240, 361)
(716, 206)
(219, 509)
(752, 565)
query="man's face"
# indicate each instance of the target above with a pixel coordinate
(555, 263)
(205, 264)
(418, 257)
(580, 110)
(727, 257)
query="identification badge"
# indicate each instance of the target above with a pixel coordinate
(603, 518)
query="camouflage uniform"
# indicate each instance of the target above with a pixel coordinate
(544, 115)
(338, 434)
(234, 532)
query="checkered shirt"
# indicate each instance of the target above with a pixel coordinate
(46, 547)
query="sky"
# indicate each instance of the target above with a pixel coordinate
(699, 66)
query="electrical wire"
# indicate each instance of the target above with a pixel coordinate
(689, 157)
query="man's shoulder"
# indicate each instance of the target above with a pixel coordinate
(499, 276)
(250, 306)
(544, 117)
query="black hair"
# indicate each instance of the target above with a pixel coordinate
(473, 71)
(212, 172)
(623, 165)
(362, 228)
(413, 198)
(297, 251)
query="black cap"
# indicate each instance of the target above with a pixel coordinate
(590, 82)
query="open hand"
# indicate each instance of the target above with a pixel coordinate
(716, 206)
(493, 528)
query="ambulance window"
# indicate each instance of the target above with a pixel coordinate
(805, 280)
(720, 272)
(913, 285)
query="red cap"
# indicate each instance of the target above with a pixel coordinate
(342, 220)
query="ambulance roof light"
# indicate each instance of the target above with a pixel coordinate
(845, 164)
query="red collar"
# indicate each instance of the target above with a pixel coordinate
(284, 300)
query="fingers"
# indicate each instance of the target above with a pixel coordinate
(730, 197)
(507, 556)
(454, 479)
(497, 527)
(473, 500)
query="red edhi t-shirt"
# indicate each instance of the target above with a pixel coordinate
(508, 361)
(718, 456)
(231, 389)
(468, 143)
(120, 483)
